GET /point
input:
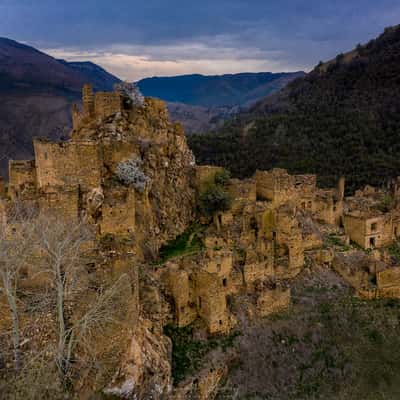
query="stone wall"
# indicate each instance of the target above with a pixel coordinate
(95, 105)
(118, 212)
(76, 116)
(67, 163)
(242, 192)
(370, 276)
(355, 227)
(387, 234)
(304, 190)
(275, 185)
(183, 292)
(290, 239)
(211, 300)
(388, 282)
(220, 264)
(396, 225)
(3, 213)
(257, 271)
(107, 104)
(113, 152)
(22, 179)
(279, 187)
(369, 232)
(329, 207)
(354, 268)
(204, 175)
(199, 293)
(87, 101)
(63, 201)
(3, 188)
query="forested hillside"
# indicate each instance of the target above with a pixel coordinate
(343, 118)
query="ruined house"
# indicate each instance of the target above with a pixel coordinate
(279, 187)
(370, 220)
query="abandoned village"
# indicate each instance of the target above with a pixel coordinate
(276, 225)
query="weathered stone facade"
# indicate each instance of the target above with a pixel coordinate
(371, 217)
(96, 105)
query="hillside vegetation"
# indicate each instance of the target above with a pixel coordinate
(341, 119)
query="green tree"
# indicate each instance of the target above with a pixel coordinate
(214, 199)
(222, 177)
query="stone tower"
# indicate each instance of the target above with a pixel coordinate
(76, 116)
(2, 188)
(341, 185)
(87, 101)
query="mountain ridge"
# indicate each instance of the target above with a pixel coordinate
(216, 90)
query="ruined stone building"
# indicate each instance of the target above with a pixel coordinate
(277, 222)
(67, 177)
(371, 218)
(259, 243)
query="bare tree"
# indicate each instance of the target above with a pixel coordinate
(62, 244)
(65, 246)
(107, 308)
(73, 307)
(40, 376)
(16, 240)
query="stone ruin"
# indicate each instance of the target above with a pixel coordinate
(277, 221)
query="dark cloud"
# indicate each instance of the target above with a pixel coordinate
(286, 32)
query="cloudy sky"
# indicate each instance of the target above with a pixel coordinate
(135, 39)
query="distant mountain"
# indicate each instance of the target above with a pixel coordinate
(90, 72)
(36, 92)
(203, 102)
(216, 90)
(198, 119)
(23, 66)
(343, 118)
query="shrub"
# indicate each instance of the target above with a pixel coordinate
(130, 173)
(215, 198)
(394, 251)
(386, 203)
(222, 177)
(189, 353)
(189, 242)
